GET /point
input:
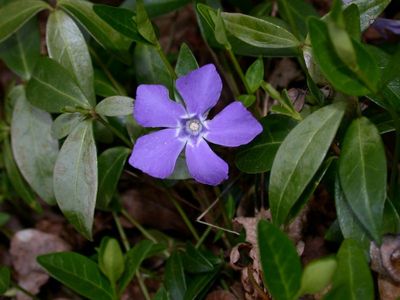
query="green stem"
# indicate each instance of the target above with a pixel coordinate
(203, 237)
(138, 226)
(115, 131)
(239, 70)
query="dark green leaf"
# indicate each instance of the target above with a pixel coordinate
(144, 25)
(362, 172)
(16, 13)
(197, 284)
(351, 17)
(65, 123)
(279, 261)
(111, 259)
(66, 44)
(79, 273)
(5, 279)
(110, 163)
(352, 279)
(104, 87)
(195, 262)
(174, 279)
(21, 51)
(255, 75)
(186, 61)
(134, 259)
(299, 157)
(115, 106)
(161, 294)
(391, 219)
(181, 171)
(157, 7)
(35, 149)
(75, 178)
(257, 157)
(52, 88)
(4, 218)
(369, 10)
(220, 30)
(102, 32)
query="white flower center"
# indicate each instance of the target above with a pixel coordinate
(194, 126)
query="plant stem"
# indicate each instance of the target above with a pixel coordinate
(203, 237)
(239, 70)
(115, 131)
(138, 226)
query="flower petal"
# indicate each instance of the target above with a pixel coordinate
(153, 108)
(234, 126)
(204, 165)
(200, 89)
(156, 153)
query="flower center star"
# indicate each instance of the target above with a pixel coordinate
(193, 126)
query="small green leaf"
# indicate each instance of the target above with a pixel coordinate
(156, 7)
(16, 13)
(4, 218)
(144, 25)
(161, 294)
(65, 123)
(115, 106)
(247, 100)
(362, 172)
(110, 163)
(255, 74)
(220, 31)
(35, 150)
(257, 157)
(102, 85)
(369, 10)
(174, 279)
(5, 279)
(279, 261)
(75, 178)
(186, 61)
(198, 284)
(111, 259)
(79, 273)
(299, 158)
(52, 88)
(66, 44)
(352, 279)
(181, 171)
(317, 275)
(391, 219)
(21, 51)
(195, 262)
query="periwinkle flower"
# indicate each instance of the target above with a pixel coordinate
(187, 127)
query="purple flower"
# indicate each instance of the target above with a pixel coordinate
(186, 127)
(383, 26)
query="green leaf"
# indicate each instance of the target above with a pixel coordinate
(52, 88)
(110, 163)
(174, 278)
(16, 13)
(75, 178)
(198, 285)
(257, 157)
(144, 25)
(79, 273)
(161, 294)
(111, 259)
(16, 179)
(351, 16)
(66, 44)
(362, 172)
(65, 123)
(195, 262)
(186, 61)
(21, 51)
(220, 30)
(103, 85)
(35, 150)
(115, 106)
(4, 218)
(5, 279)
(391, 219)
(181, 170)
(360, 80)
(279, 261)
(369, 10)
(299, 157)
(157, 7)
(352, 279)
(101, 31)
(317, 275)
(134, 258)
(255, 74)
(247, 100)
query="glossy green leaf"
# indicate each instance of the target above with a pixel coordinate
(362, 172)
(157, 7)
(369, 10)
(134, 258)
(186, 61)
(115, 106)
(5, 279)
(16, 179)
(279, 261)
(79, 273)
(317, 275)
(101, 31)
(52, 88)
(111, 259)
(299, 158)
(257, 157)
(144, 25)
(174, 280)
(391, 218)
(35, 149)
(360, 80)
(21, 51)
(16, 13)
(220, 30)
(352, 279)
(65, 123)
(66, 44)
(255, 75)
(110, 163)
(75, 178)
